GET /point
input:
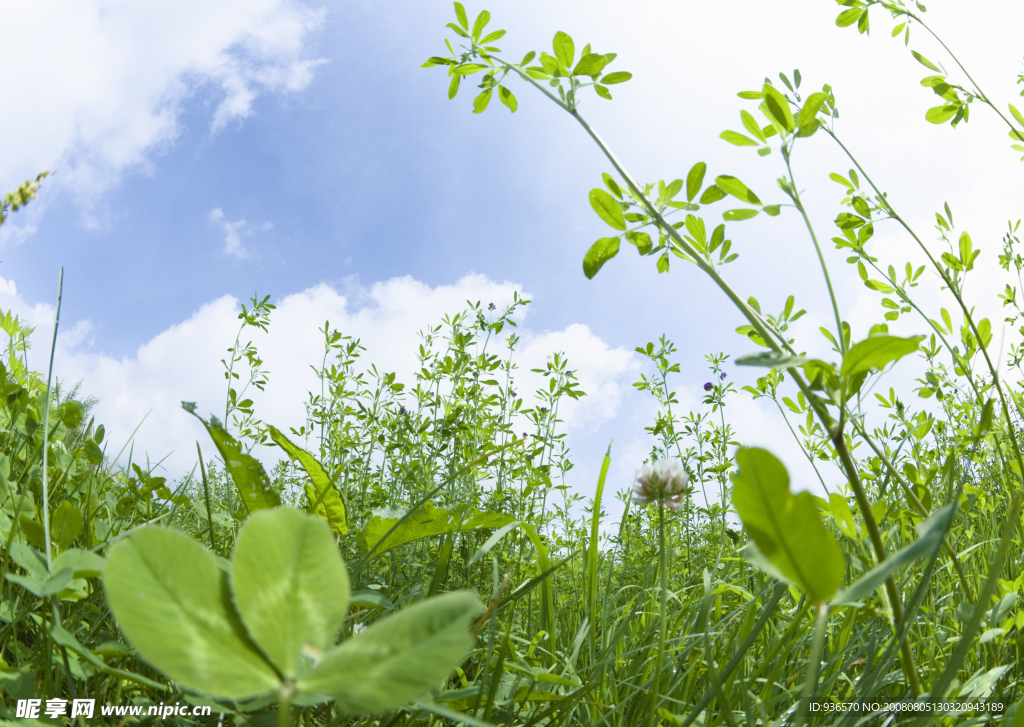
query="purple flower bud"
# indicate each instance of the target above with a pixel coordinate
(543, 409)
(708, 386)
(402, 411)
(513, 394)
(722, 376)
(491, 306)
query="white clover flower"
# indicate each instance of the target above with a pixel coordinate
(663, 483)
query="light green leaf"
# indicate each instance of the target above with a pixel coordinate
(739, 215)
(607, 208)
(426, 522)
(876, 352)
(941, 114)
(508, 98)
(925, 62)
(290, 584)
(481, 101)
(590, 65)
(849, 17)
(564, 48)
(82, 563)
(751, 125)
(771, 359)
(811, 108)
(617, 77)
(737, 189)
(246, 472)
(1017, 114)
(734, 137)
(460, 15)
(787, 528)
(778, 107)
(398, 658)
(468, 68)
(171, 600)
(481, 22)
(694, 180)
(712, 194)
(322, 495)
(599, 253)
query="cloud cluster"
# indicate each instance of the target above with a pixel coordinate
(93, 88)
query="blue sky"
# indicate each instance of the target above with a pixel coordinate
(298, 150)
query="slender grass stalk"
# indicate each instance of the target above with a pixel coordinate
(46, 429)
(659, 663)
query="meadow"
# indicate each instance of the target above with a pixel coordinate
(422, 555)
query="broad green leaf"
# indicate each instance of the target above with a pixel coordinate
(849, 17)
(811, 108)
(1017, 114)
(607, 208)
(641, 240)
(564, 48)
(739, 215)
(468, 68)
(737, 189)
(787, 528)
(65, 524)
(322, 495)
(426, 522)
(603, 91)
(694, 180)
(397, 659)
(481, 101)
(941, 114)
(599, 253)
(590, 65)
(778, 107)
(617, 77)
(876, 352)
(930, 535)
(751, 125)
(71, 413)
(246, 472)
(43, 587)
(663, 263)
(712, 194)
(460, 15)
(925, 62)
(290, 584)
(171, 600)
(83, 563)
(736, 138)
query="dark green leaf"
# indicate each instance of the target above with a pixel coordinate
(324, 499)
(599, 253)
(377, 535)
(787, 528)
(607, 209)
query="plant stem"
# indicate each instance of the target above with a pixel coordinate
(663, 588)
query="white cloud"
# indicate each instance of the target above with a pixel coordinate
(233, 232)
(104, 84)
(183, 363)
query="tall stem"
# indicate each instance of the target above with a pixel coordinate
(659, 663)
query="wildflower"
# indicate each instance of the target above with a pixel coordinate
(402, 411)
(708, 386)
(513, 394)
(543, 410)
(663, 483)
(491, 306)
(722, 376)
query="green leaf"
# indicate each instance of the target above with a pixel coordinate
(778, 107)
(246, 472)
(590, 65)
(323, 496)
(617, 77)
(694, 180)
(603, 91)
(481, 101)
(564, 48)
(772, 210)
(734, 137)
(787, 528)
(849, 17)
(876, 352)
(663, 263)
(508, 98)
(397, 659)
(599, 253)
(65, 524)
(467, 69)
(930, 535)
(491, 37)
(612, 185)
(453, 87)
(771, 359)
(607, 208)
(82, 563)
(171, 600)
(641, 240)
(739, 215)
(811, 108)
(290, 584)
(925, 62)
(1017, 114)
(481, 22)
(712, 194)
(460, 15)
(737, 189)
(382, 534)
(751, 125)
(941, 114)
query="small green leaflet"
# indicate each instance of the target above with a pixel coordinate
(599, 253)
(736, 188)
(876, 352)
(460, 15)
(564, 49)
(941, 114)
(607, 209)
(617, 77)
(694, 180)
(736, 138)
(778, 107)
(925, 62)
